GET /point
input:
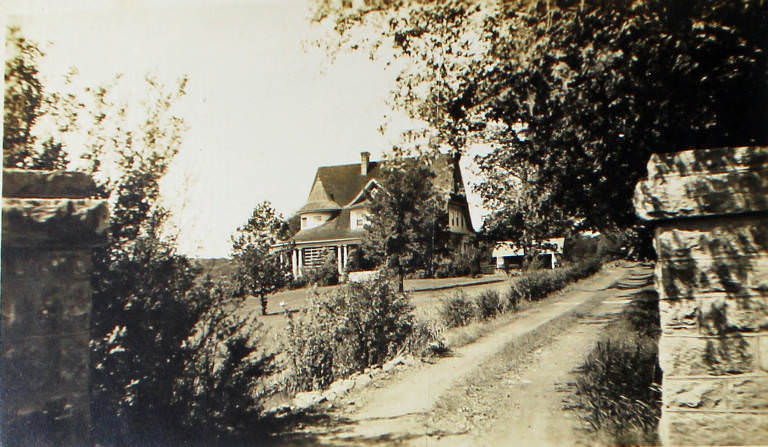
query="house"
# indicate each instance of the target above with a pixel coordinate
(508, 255)
(333, 219)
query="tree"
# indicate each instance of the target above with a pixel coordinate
(260, 271)
(156, 337)
(407, 218)
(573, 96)
(25, 102)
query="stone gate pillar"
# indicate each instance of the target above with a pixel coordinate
(711, 239)
(50, 224)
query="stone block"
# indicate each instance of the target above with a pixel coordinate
(680, 185)
(47, 307)
(712, 238)
(713, 161)
(37, 368)
(60, 421)
(749, 394)
(700, 356)
(738, 276)
(701, 428)
(763, 353)
(724, 315)
(47, 184)
(43, 263)
(679, 315)
(53, 223)
(694, 394)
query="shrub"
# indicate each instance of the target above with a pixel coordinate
(297, 283)
(222, 390)
(326, 274)
(457, 311)
(513, 299)
(488, 304)
(425, 340)
(584, 268)
(357, 326)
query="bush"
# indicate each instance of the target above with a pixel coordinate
(457, 311)
(297, 283)
(426, 340)
(488, 305)
(513, 299)
(223, 388)
(325, 275)
(361, 325)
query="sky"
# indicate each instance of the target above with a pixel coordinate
(264, 106)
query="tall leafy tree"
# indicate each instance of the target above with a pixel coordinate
(26, 101)
(407, 218)
(573, 96)
(260, 269)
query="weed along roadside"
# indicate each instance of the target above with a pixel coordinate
(369, 393)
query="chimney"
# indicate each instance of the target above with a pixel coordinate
(365, 158)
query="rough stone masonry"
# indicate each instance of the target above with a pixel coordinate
(710, 208)
(50, 223)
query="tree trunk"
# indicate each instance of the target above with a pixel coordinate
(400, 282)
(263, 299)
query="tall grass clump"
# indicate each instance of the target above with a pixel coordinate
(619, 389)
(360, 325)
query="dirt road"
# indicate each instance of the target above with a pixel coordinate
(500, 390)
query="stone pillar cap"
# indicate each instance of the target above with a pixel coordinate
(704, 183)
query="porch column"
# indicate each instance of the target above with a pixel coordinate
(300, 266)
(346, 255)
(295, 263)
(338, 259)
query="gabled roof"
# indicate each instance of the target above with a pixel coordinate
(319, 199)
(336, 186)
(343, 183)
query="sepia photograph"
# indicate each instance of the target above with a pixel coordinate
(341, 223)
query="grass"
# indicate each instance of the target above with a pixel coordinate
(618, 391)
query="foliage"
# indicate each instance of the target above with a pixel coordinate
(572, 96)
(407, 218)
(464, 262)
(457, 310)
(426, 340)
(536, 285)
(619, 387)
(260, 271)
(327, 274)
(140, 285)
(488, 304)
(354, 327)
(145, 302)
(25, 103)
(221, 391)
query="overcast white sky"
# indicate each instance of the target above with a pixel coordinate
(264, 109)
